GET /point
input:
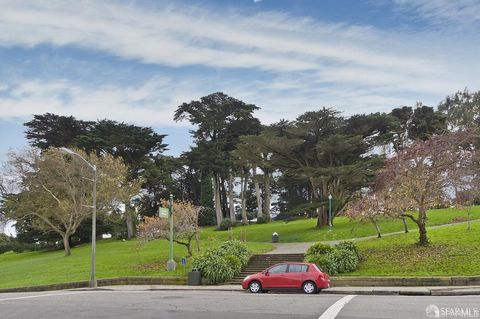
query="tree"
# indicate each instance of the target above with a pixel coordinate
(406, 124)
(139, 147)
(368, 208)
(52, 189)
(462, 109)
(185, 225)
(423, 176)
(207, 213)
(51, 130)
(220, 121)
(324, 151)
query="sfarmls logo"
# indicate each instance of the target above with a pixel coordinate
(433, 311)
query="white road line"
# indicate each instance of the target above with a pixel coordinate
(333, 310)
(45, 295)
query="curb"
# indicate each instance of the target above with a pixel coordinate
(102, 282)
(405, 281)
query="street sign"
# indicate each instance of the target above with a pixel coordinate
(163, 212)
(184, 261)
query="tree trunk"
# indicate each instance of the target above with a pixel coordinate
(322, 217)
(377, 228)
(216, 196)
(66, 244)
(197, 240)
(130, 225)
(223, 198)
(422, 229)
(268, 194)
(257, 192)
(231, 204)
(405, 226)
(244, 186)
(189, 249)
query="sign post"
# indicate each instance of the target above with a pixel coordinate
(171, 263)
(184, 264)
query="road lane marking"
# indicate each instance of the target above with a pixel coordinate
(45, 295)
(333, 310)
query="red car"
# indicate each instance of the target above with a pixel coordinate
(305, 276)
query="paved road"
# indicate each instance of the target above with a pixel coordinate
(216, 305)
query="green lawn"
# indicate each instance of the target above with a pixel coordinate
(304, 230)
(454, 251)
(114, 259)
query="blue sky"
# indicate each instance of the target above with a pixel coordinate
(135, 61)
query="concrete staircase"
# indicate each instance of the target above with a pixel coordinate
(258, 263)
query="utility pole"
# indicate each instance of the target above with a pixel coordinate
(171, 263)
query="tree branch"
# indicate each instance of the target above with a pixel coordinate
(411, 217)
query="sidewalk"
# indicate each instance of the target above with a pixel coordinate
(406, 291)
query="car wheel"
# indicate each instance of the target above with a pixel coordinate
(309, 287)
(255, 287)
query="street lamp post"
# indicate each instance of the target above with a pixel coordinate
(329, 212)
(93, 278)
(171, 263)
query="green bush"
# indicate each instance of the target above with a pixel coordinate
(13, 245)
(345, 260)
(319, 249)
(325, 262)
(351, 246)
(215, 267)
(342, 258)
(236, 248)
(221, 264)
(225, 224)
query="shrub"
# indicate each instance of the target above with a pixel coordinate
(261, 220)
(13, 245)
(215, 267)
(325, 262)
(225, 224)
(236, 248)
(345, 260)
(319, 249)
(351, 246)
(221, 264)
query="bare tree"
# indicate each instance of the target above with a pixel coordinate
(185, 225)
(56, 189)
(423, 176)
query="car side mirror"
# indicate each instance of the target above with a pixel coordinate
(265, 272)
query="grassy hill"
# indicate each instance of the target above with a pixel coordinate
(454, 251)
(114, 259)
(304, 230)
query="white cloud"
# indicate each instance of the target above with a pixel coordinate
(305, 63)
(151, 103)
(460, 12)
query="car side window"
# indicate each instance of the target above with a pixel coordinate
(278, 269)
(297, 268)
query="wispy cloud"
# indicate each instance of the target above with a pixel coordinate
(151, 103)
(296, 63)
(459, 12)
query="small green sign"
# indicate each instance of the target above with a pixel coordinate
(163, 212)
